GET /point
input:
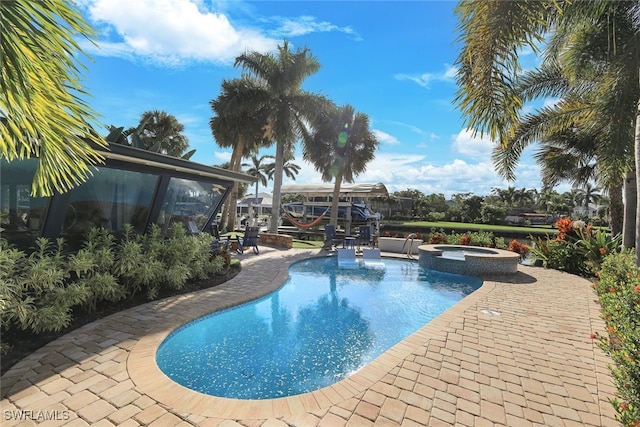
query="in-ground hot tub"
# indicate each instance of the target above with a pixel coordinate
(470, 260)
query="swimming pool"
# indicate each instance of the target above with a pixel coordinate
(323, 324)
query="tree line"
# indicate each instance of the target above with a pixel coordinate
(499, 207)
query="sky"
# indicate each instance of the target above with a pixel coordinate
(391, 60)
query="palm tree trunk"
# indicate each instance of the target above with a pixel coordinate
(637, 160)
(277, 185)
(229, 215)
(629, 224)
(616, 209)
(335, 200)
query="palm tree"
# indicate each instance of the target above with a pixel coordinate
(238, 122)
(587, 195)
(340, 149)
(42, 114)
(290, 108)
(594, 42)
(289, 168)
(257, 168)
(161, 132)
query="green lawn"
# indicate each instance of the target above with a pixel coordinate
(461, 226)
(307, 244)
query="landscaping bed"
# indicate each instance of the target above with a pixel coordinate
(24, 343)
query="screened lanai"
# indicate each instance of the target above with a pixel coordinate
(134, 186)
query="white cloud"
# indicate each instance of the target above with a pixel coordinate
(172, 31)
(222, 156)
(476, 147)
(385, 138)
(424, 79)
(292, 27)
(175, 32)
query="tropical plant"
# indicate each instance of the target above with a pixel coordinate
(34, 293)
(93, 268)
(240, 119)
(136, 261)
(340, 149)
(42, 112)
(291, 109)
(577, 248)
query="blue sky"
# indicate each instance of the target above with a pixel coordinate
(392, 60)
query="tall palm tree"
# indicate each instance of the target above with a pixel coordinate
(42, 113)
(239, 119)
(162, 132)
(291, 109)
(597, 40)
(340, 149)
(259, 169)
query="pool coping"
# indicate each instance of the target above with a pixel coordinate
(147, 376)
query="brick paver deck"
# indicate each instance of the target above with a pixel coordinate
(516, 352)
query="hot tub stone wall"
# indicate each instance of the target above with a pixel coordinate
(473, 264)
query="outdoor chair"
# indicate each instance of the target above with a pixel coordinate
(330, 236)
(249, 240)
(347, 258)
(372, 256)
(218, 243)
(365, 237)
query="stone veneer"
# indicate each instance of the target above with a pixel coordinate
(277, 240)
(470, 260)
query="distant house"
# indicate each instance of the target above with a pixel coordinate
(590, 211)
(530, 219)
(134, 186)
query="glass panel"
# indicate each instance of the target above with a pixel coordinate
(21, 216)
(111, 198)
(189, 202)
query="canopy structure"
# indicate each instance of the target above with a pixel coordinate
(346, 190)
(263, 200)
(319, 196)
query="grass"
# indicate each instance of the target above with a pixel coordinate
(462, 226)
(307, 244)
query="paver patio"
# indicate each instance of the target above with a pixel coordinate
(516, 352)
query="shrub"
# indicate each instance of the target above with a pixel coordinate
(136, 264)
(619, 292)
(38, 291)
(34, 292)
(93, 267)
(520, 248)
(577, 249)
(437, 238)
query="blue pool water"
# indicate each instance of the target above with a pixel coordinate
(323, 324)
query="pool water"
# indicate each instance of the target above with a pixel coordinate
(323, 324)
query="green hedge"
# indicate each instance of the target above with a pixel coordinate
(618, 289)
